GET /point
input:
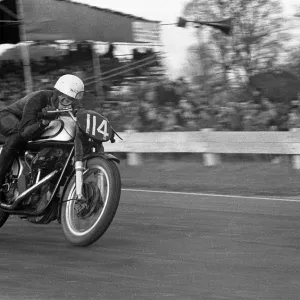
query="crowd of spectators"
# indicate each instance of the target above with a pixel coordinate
(159, 104)
(163, 105)
(12, 86)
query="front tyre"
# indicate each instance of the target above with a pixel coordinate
(84, 222)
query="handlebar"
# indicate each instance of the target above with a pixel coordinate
(52, 113)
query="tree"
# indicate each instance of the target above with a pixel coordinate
(202, 67)
(278, 86)
(297, 11)
(257, 35)
(293, 63)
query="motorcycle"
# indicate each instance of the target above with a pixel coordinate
(65, 175)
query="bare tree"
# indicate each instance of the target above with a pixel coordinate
(257, 40)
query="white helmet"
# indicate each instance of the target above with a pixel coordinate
(70, 85)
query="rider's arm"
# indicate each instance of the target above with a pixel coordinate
(31, 125)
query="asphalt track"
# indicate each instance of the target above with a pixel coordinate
(162, 246)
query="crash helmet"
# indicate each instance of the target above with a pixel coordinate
(70, 86)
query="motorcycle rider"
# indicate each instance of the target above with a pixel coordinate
(21, 123)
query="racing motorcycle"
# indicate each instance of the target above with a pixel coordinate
(65, 175)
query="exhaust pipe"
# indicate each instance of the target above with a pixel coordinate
(28, 192)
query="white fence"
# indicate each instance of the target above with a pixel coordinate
(210, 143)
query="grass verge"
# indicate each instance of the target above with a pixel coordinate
(244, 178)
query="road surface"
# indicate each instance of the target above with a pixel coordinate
(162, 246)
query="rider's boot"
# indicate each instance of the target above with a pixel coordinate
(5, 163)
(6, 160)
(9, 151)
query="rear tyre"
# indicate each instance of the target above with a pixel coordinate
(83, 223)
(3, 217)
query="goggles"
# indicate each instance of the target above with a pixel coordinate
(65, 100)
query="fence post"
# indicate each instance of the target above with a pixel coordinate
(296, 157)
(133, 159)
(210, 159)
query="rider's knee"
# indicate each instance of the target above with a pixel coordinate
(13, 143)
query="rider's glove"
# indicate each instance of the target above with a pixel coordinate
(45, 122)
(48, 114)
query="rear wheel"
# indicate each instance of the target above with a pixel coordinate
(85, 221)
(3, 217)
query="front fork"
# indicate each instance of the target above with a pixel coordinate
(79, 178)
(79, 166)
(79, 169)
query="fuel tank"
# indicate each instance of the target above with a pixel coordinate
(62, 130)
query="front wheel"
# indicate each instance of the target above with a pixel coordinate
(85, 221)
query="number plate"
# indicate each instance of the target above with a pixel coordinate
(94, 125)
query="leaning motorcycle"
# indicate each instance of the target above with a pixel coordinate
(65, 175)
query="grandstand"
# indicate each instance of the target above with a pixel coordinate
(79, 55)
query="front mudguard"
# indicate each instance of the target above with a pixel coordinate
(90, 156)
(101, 154)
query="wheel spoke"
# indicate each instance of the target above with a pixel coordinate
(83, 216)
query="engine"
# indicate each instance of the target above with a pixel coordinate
(49, 158)
(43, 162)
(40, 164)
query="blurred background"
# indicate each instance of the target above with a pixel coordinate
(246, 81)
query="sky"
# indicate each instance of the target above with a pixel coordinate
(175, 40)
